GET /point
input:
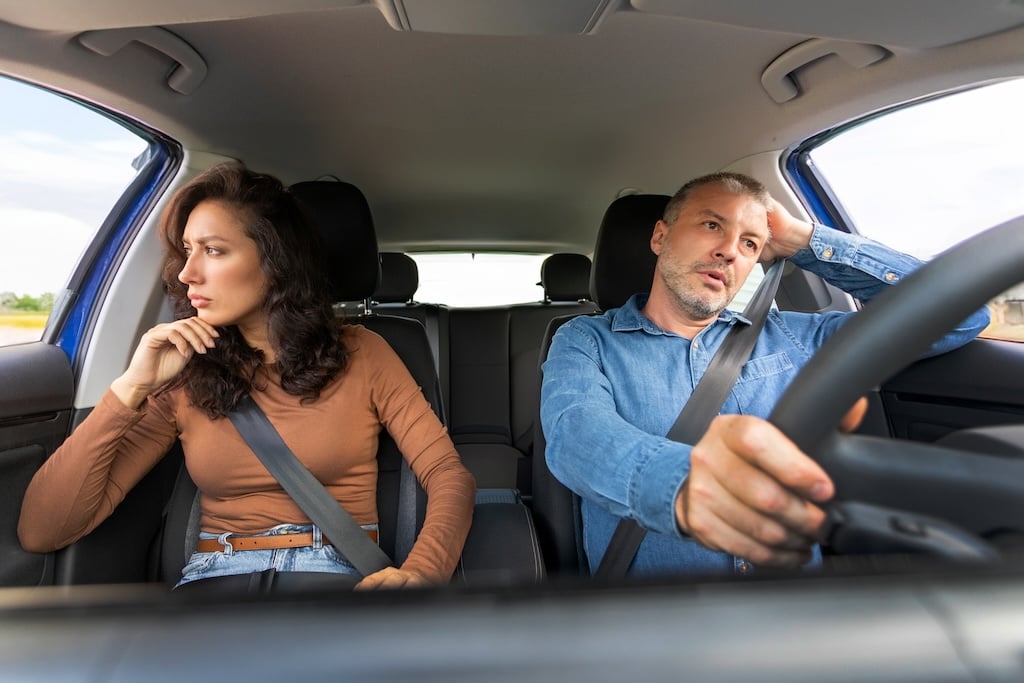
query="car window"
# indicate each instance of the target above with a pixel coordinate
(924, 177)
(479, 279)
(63, 166)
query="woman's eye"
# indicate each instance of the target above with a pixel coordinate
(213, 251)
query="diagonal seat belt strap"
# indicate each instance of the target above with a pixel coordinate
(310, 495)
(702, 406)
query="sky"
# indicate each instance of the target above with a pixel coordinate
(62, 167)
(960, 169)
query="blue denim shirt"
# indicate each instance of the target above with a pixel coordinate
(615, 383)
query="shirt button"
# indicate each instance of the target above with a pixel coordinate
(696, 344)
(743, 567)
(827, 253)
(891, 277)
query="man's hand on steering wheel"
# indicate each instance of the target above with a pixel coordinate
(752, 493)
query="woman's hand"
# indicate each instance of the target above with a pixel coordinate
(162, 353)
(389, 577)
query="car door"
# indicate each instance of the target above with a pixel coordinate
(78, 185)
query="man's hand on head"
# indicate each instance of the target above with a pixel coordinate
(789, 234)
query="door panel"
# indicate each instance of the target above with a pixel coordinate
(978, 385)
(36, 388)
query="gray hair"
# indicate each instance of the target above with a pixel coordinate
(736, 183)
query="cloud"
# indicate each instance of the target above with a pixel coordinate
(46, 160)
(55, 193)
(40, 249)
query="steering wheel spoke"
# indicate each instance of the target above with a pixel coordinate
(979, 493)
(858, 528)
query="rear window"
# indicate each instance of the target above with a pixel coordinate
(479, 279)
(488, 279)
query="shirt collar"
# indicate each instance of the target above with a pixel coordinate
(629, 318)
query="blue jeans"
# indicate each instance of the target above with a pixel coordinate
(319, 557)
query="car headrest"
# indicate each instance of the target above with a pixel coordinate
(623, 260)
(342, 215)
(565, 277)
(399, 278)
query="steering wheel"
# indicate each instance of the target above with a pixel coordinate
(898, 495)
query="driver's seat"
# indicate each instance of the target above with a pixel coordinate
(623, 266)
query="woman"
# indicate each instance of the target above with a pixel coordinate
(243, 271)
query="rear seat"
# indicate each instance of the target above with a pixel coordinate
(487, 361)
(565, 278)
(396, 295)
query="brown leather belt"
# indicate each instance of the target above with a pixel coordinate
(272, 542)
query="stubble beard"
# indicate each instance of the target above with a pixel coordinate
(697, 302)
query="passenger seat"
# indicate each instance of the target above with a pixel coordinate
(502, 544)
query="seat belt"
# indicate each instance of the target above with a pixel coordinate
(703, 405)
(310, 495)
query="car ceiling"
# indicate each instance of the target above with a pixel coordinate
(464, 139)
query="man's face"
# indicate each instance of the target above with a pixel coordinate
(704, 257)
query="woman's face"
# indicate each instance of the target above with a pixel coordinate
(226, 284)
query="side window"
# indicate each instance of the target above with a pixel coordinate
(63, 167)
(926, 176)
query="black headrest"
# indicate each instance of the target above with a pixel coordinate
(346, 228)
(565, 277)
(623, 260)
(399, 278)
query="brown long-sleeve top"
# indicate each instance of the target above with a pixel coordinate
(335, 437)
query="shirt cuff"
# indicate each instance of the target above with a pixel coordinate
(127, 416)
(836, 247)
(655, 485)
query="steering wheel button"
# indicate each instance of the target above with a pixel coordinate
(908, 526)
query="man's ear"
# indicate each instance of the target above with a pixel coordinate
(658, 237)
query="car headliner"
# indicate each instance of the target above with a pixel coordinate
(516, 142)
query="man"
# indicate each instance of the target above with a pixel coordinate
(614, 384)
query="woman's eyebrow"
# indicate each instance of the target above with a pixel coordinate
(206, 238)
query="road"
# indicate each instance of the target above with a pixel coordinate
(18, 335)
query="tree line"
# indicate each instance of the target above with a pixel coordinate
(26, 303)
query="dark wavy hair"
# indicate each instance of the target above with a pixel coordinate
(303, 330)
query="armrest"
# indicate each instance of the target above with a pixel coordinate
(502, 545)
